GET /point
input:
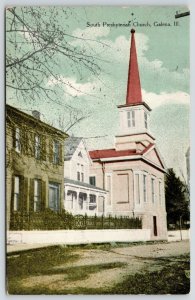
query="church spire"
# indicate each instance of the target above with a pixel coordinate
(134, 95)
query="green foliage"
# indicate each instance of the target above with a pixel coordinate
(175, 193)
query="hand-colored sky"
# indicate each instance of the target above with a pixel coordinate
(163, 57)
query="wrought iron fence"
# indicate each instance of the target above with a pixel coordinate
(49, 220)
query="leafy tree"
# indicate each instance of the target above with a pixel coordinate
(176, 204)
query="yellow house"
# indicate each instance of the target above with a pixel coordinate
(34, 167)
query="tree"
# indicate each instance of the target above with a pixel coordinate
(40, 52)
(176, 204)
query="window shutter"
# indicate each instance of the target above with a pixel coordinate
(43, 148)
(12, 195)
(23, 141)
(51, 151)
(31, 195)
(60, 153)
(31, 143)
(21, 193)
(26, 141)
(14, 137)
(25, 193)
(43, 195)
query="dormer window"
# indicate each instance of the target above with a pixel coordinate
(131, 118)
(146, 120)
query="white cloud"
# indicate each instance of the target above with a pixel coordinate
(91, 32)
(73, 88)
(119, 49)
(154, 100)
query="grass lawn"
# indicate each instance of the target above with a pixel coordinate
(173, 278)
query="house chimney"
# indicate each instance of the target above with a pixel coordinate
(36, 114)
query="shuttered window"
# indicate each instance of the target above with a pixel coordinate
(37, 195)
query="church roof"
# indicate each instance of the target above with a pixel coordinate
(108, 153)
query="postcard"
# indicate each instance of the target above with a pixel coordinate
(97, 150)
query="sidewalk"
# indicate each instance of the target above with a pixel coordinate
(173, 236)
(23, 247)
(176, 235)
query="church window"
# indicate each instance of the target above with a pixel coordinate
(131, 118)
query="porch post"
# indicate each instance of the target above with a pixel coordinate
(77, 201)
(97, 202)
(87, 202)
(65, 197)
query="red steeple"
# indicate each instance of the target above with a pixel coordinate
(133, 84)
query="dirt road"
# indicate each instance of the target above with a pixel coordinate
(135, 259)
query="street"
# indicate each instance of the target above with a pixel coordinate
(102, 268)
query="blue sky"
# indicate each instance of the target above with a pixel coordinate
(163, 57)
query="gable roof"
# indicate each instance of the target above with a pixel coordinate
(19, 116)
(114, 155)
(70, 146)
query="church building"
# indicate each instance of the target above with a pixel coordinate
(133, 171)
